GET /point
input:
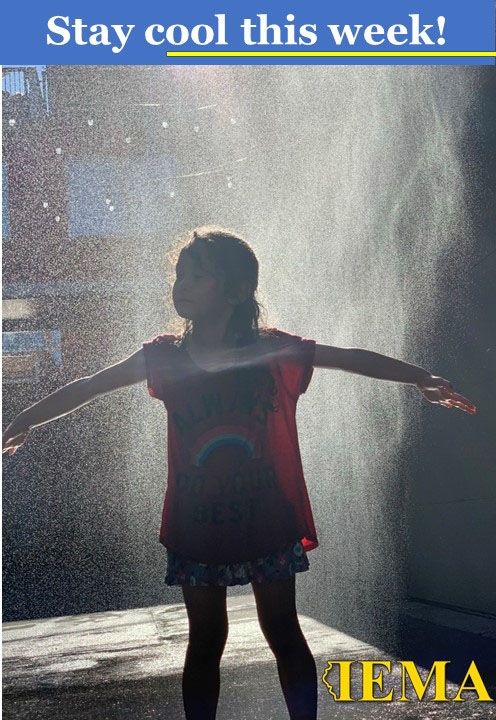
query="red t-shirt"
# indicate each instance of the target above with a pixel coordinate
(235, 488)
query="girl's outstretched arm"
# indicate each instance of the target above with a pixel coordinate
(72, 396)
(364, 362)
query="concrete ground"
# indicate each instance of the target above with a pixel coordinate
(127, 664)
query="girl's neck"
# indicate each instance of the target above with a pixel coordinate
(208, 336)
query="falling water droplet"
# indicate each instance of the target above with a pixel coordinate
(128, 140)
(229, 184)
(172, 193)
(196, 128)
(111, 208)
(12, 122)
(58, 151)
(45, 205)
(90, 122)
(165, 124)
(108, 201)
(57, 218)
(233, 121)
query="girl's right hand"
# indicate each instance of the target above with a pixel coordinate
(13, 438)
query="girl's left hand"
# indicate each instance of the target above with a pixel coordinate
(440, 391)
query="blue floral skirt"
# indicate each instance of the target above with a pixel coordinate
(279, 565)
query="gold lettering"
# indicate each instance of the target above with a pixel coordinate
(438, 669)
(344, 679)
(368, 680)
(478, 685)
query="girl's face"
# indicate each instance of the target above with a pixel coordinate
(197, 291)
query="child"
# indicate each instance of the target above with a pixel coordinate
(236, 508)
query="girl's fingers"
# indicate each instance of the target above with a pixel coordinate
(449, 399)
(466, 407)
(11, 444)
(456, 396)
(462, 403)
(454, 399)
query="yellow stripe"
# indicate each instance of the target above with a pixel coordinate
(208, 53)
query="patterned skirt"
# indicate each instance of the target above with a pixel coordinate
(279, 565)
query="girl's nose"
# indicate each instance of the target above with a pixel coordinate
(182, 284)
(182, 287)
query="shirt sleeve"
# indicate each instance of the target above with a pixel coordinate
(295, 357)
(157, 362)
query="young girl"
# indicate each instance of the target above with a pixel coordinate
(236, 508)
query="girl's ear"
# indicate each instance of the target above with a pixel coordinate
(242, 294)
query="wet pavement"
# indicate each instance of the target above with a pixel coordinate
(127, 664)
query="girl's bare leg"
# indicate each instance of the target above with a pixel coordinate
(208, 627)
(276, 609)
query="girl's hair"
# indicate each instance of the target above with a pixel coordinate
(236, 265)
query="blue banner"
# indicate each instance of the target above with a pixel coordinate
(272, 32)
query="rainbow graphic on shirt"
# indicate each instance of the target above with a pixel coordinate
(223, 436)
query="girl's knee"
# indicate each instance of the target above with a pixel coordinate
(207, 642)
(284, 638)
(208, 624)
